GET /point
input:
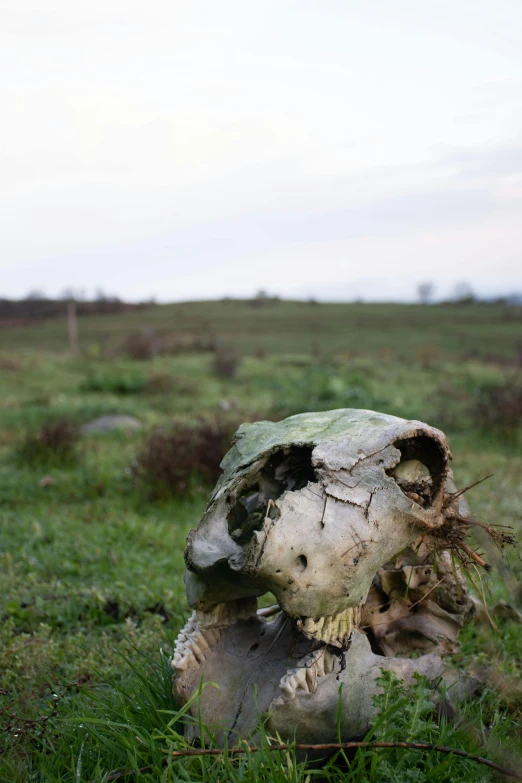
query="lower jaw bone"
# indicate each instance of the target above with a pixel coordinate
(305, 676)
(335, 630)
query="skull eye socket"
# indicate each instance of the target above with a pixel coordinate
(288, 470)
(421, 470)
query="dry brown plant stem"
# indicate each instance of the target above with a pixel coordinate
(326, 746)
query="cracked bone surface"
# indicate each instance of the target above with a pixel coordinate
(332, 513)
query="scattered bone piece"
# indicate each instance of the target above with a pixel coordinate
(411, 471)
(415, 606)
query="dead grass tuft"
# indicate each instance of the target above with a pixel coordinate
(147, 343)
(499, 408)
(10, 363)
(139, 345)
(457, 526)
(170, 461)
(54, 442)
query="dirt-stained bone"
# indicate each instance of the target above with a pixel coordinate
(333, 513)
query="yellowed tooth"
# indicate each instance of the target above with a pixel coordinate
(301, 679)
(329, 662)
(328, 629)
(201, 641)
(211, 635)
(191, 658)
(198, 654)
(334, 630)
(311, 679)
(288, 689)
(312, 628)
(344, 626)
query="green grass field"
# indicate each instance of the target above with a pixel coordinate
(91, 570)
(452, 331)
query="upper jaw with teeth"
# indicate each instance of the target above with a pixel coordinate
(203, 630)
(335, 630)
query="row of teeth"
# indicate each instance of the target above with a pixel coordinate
(193, 644)
(335, 630)
(203, 631)
(304, 677)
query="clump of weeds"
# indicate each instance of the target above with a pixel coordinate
(55, 442)
(498, 408)
(171, 461)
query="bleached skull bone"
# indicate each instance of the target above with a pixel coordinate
(312, 509)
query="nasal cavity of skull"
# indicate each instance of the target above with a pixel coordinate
(421, 469)
(287, 470)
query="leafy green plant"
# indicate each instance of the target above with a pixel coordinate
(323, 387)
(121, 382)
(406, 715)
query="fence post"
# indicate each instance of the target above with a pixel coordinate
(73, 328)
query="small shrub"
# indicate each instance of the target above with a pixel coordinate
(176, 344)
(499, 408)
(406, 713)
(147, 344)
(171, 460)
(10, 363)
(226, 361)
(139, 346)
(54, 442)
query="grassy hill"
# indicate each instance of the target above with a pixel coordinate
(273, 326)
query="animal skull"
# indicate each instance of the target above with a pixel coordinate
(331, 513)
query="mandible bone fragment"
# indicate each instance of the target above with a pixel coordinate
(334, 513)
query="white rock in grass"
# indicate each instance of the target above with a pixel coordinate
(111, 422)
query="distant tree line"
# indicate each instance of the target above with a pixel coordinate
(463, 293)
(36, 305)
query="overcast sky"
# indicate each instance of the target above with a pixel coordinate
(197, 148)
